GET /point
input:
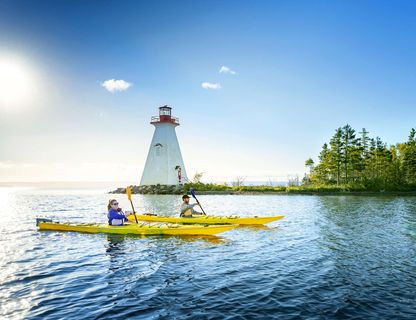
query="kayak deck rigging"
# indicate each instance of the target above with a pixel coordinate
(209, 220)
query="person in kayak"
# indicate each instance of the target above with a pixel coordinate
(116, 216)
(187, 210)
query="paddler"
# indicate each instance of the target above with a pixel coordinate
(116, 216)
(187, 210)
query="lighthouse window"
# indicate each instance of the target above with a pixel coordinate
(164, 112)
(158, 148)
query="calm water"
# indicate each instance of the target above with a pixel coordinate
(331, 257)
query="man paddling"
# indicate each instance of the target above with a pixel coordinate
(187, 210)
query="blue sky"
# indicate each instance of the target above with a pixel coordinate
(303, 68)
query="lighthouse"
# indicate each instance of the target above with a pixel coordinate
(164, 163)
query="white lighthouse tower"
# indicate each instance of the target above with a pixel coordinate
(164, 164)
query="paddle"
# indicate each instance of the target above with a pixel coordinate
(192, 192)
(128, 192)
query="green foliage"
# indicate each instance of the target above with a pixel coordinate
(207, 187)
(226, 188)
(361, 163)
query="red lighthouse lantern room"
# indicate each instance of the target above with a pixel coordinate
(165, 116)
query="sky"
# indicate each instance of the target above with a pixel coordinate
(258, 86)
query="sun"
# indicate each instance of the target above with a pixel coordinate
(17, 85)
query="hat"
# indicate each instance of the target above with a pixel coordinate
(185, 196)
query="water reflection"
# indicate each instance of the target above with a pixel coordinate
(114, 241)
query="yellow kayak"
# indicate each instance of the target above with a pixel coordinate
(209, 220)
(138, 229)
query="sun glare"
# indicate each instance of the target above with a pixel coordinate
(17, 84)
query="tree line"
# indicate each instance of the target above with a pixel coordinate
(355, 160)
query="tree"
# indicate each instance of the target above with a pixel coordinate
(350, 153)
(372, 160)
(365, 144)
(238, 181)
(335, 155)
(365, 153)
(197, 177)
(309, 164)
(395, 175)
(320, 172)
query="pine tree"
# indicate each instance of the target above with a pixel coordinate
(371, 166)
(365, 153)
(365, 143)
(335, 155)
(350, 153)
(309, 164)
(321, 172)
(395, 176)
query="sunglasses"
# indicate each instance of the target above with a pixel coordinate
(114, 204)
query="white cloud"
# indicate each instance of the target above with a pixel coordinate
(113, 85)
(225, 69)
(210, 86)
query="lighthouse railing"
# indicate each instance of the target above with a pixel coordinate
(157, 119)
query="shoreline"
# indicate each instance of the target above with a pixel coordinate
(281, 193)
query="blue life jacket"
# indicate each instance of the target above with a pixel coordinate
(116, 215)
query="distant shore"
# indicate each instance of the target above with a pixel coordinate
(209, 189)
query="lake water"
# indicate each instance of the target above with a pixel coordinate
(331, 257)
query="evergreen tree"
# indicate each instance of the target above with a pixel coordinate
(395, 176)
(320, 173)
(365, 143)
(335, 156)
(309, 164)
(371, 166)
(365, 153)
(350, 153)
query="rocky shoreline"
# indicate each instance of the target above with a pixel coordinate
(155, 189)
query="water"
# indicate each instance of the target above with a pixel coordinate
(331, 257)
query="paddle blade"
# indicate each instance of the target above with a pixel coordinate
(192, 192)
(128, 192)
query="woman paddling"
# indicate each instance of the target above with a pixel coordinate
(116, 216)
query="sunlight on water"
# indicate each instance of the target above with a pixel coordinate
(333, 256)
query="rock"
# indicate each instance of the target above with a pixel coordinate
(154, 189)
